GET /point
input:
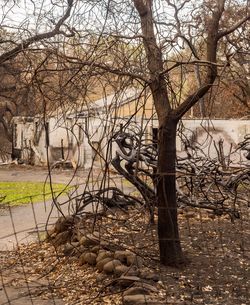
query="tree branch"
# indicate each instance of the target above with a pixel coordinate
(211, 73)
(6, 127)
(107, 68)
(233, 28)
(25, 44)
(154, 59)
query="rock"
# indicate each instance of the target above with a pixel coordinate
(104, 244)
(134, 260)
(148, 274)
(131, 259)
(151, 277)
(139, 299)
(61, 238)
(81, 259)
(50, 234)
(90, 258)
(74, 239)
(121, 269)
(111, 246)
(101, 277)
(81, 249)
(146, 286)
(110, 266)
(122, 255)
(102, 262)
(136, 290)
(73, 259)
(87, 258)
(95, 234)
(104, 254)
(75, 244)
(88, 241)
(127, 280)
(133, 271)
(95, 249)
(64, 223)
(68, 249)
(190, 214)
(83, 241)
(79, 233)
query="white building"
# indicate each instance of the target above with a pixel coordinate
(83, 136)
(77, 136)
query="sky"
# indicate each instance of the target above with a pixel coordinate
(32, 14)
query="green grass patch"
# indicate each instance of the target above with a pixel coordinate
(17, 193)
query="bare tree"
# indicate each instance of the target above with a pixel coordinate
(18, 40)
(156, 74)
(141, 42)
(170, 248)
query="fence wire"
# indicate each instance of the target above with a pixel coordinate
(54, 252)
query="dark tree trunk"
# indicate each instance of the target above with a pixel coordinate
(168, 114)
(169, 241)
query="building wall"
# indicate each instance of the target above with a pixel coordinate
(83, 140)
(207, 133)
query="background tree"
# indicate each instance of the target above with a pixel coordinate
(22, 35)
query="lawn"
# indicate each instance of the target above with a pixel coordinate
(17, 193)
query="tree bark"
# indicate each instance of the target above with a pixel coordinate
(169, 241)
(168, 117)
(168, 233)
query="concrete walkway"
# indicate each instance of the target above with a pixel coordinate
(25, 223)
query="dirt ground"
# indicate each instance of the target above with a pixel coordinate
(217, 271)
(24, 172)
(217, 249)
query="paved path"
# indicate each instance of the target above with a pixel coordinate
(22, 224)
(25, 223)
(20, 295)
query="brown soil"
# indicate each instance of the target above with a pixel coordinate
(217, 273)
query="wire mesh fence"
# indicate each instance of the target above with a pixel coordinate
(96, 242)
(161, 216)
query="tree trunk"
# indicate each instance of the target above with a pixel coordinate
(168, 233)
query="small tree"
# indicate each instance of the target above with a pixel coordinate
(142, 42)
(169, 241)
(145, 42)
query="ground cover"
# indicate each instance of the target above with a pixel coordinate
(17, 193)
(217, 271)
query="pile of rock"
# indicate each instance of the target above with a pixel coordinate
(125, 267)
